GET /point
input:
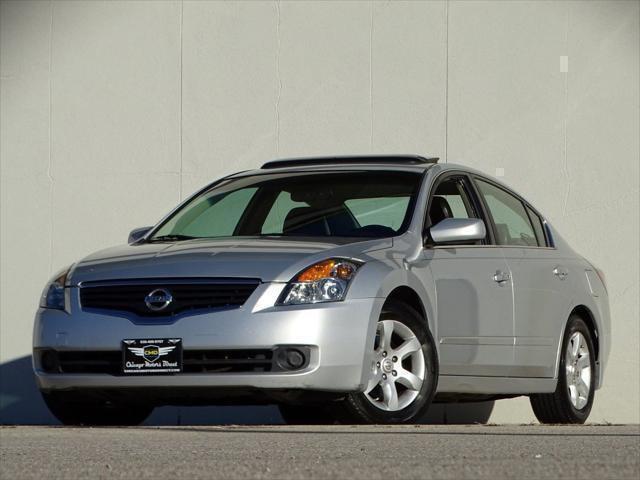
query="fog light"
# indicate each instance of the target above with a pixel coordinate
(295, 359)
(291, 359)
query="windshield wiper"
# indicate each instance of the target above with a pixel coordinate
(170, 238)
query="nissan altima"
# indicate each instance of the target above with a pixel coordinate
(356, 289)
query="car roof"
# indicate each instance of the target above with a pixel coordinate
(353, 159)
(403, 162)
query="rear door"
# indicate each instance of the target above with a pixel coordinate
(473, 290)
(538, 279)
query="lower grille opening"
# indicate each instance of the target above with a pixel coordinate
(193, 361)
(223, 361)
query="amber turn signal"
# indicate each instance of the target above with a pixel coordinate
(318, 271)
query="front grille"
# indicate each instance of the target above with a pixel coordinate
(186, 294)
(194, 361)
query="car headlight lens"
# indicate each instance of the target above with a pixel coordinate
(53, 295)
(325, 281)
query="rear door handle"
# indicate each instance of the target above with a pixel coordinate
(501, 277)
(561, 273)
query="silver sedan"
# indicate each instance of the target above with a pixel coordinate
(357, 289)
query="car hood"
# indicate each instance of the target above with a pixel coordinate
(266, 259)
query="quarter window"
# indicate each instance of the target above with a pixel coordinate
(537, 227)
(511, 220)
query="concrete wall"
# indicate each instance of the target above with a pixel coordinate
(111, 112)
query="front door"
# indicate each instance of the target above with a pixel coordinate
(474, 296)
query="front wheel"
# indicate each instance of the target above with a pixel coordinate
(72, 409)
(403, 373)
(573, 398)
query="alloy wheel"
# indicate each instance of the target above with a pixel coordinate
(398, 367)
(578, 370)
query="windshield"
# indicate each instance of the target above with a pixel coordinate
(334, 204)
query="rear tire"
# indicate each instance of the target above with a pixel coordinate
(72, 409)
(573, 398)
(394, 394)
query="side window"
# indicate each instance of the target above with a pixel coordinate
(537, 227)
(450, 200)
(513, 226)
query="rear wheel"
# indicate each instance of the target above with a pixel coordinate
(404, 371)
(72, 409)
(573, 398)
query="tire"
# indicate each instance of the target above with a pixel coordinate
(558, 407)
(375, 404)
(72, 409)
(306, 415)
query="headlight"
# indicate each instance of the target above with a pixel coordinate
(53, 295)
(325, 281)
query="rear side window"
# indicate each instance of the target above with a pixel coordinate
(510, 217)
(536, 221)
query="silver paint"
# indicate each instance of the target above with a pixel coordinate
(497, 314)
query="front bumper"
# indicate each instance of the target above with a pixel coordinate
(340, 336)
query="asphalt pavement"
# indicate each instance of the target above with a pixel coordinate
(310, 452)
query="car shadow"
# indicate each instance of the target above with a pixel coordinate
(21, 404)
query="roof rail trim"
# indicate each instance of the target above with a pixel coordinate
(363, 159)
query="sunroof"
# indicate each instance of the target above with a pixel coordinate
(373, 159)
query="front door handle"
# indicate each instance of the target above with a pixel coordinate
(561, 273)
(501, 277)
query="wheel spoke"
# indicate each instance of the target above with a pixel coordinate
(573, 393)
(385, 334)
(390, 395)
(409, 346)
(409, 380)
(583, 388)
(373, 382)
(575, 345)
(584, 362)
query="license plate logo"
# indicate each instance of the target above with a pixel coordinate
(153, 355)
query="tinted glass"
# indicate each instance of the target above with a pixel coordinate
(513, 226)
(385, 211)
(450, 200)
(344, 204)
(538, 228)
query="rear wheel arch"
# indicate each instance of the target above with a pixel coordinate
(585, 313)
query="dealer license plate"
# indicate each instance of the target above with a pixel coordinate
(152, 355)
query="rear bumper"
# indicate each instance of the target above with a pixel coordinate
(339, 335)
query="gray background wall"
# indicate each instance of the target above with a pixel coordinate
(111, 112)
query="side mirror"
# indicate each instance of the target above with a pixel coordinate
(457, 230)
(137, 233)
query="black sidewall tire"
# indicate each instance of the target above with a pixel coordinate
(576, 324)
(556, 407)
(360, 408)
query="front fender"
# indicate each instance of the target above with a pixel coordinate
(378, 279)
